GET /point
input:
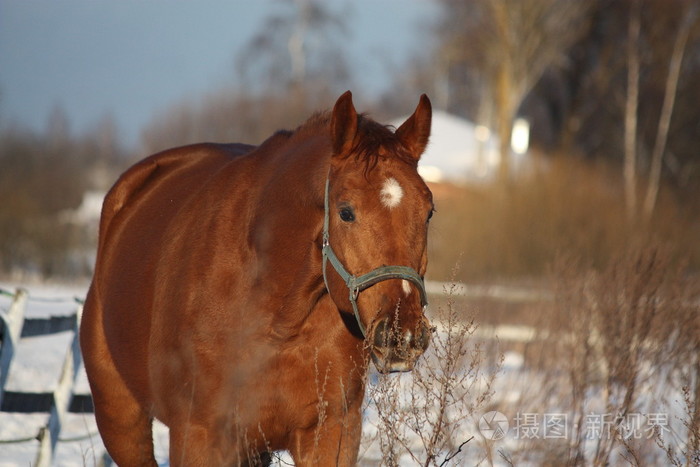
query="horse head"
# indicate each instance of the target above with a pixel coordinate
(377, 209)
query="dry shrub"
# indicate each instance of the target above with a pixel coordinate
(570, 206)
(623, 342)
(427, 417)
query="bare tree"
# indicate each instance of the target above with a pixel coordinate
(630, 171)
(631, 104)
(43, 177)
(688, 20)
(296, 43)
(511, 44)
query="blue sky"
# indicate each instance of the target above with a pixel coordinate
(132, 58)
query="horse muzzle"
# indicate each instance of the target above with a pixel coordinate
(397, 350)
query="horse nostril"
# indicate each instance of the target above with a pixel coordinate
(424, 336)
(381, 336)
(381, 327)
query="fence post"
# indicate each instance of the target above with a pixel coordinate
(11, 330)
(48, 436)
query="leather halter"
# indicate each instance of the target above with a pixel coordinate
(357, 284)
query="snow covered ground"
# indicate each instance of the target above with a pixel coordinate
(38, 361)
(36, 368)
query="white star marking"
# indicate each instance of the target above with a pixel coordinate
(391, 193)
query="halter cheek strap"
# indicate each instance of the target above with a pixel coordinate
(357, 284)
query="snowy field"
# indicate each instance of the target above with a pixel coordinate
(38, 362)
(36, 368)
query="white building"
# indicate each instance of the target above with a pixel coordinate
(461, 152)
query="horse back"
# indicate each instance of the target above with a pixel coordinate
(163, 172)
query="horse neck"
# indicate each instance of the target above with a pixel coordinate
(291, 218)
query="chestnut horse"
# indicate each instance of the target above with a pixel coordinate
(240, 291)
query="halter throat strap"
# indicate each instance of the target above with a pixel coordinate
(357, 284)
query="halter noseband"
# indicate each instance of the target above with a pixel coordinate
(357, 284)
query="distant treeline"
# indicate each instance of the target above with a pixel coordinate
(43, 176)
(609, 87)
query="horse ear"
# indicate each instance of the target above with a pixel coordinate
(343, 124)
(415, 131)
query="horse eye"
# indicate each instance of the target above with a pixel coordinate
(347, 214)
(430, 214)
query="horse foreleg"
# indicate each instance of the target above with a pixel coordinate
(193, 446)
(335, 442)
(198, 445)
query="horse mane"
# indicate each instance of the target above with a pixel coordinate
(373, 143)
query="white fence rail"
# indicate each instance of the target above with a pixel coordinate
(505, 293)
(15, 326)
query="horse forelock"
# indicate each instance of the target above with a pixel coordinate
(377, 142)
(374, 141)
